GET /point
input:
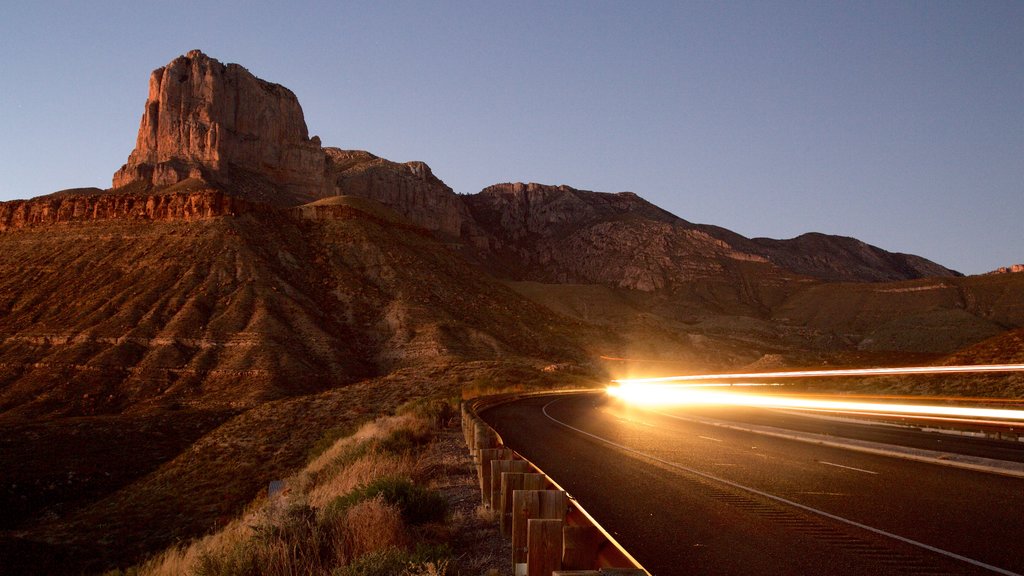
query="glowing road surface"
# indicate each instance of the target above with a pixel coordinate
(691, 498)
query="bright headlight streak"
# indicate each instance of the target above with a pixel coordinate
(655, 394)
(833, 373)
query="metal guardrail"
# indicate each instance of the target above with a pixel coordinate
(552, 535)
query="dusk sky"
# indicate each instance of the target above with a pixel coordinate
(898, 123)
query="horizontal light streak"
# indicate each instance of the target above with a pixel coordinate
(834, 373)
(667, 394)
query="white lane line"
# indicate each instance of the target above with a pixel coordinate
(829, 515)
(709, 438)
(847, 467)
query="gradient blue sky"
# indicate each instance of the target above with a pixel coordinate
(899, 123)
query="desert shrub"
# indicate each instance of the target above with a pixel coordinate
(435, 411)
(283, 543)
(405, 440)
(369, 526)
(418, 504)
(390, 562)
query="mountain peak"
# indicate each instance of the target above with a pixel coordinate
(212, 121)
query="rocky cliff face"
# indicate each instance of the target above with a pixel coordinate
(410, 189)
(205, 120)
(560, 234)
(64, 209)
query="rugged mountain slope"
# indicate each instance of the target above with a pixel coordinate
(560, 234)
(233, 309)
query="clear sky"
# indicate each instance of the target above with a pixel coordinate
(898, 123)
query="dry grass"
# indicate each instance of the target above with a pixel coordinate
(372, 526)
(302, 530)
(360, 472)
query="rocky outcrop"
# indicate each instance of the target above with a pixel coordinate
(410, 189)
(67, 208)
(1008, 269)
(520, 210)
(207, 120)
(563, 235)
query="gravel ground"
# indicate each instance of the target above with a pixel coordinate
(477, 545)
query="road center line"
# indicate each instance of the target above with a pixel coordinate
(829, 515)
(846, 467)
(709, 438)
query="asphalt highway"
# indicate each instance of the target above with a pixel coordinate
(691, 498)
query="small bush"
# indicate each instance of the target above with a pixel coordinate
(370, 526)
(418, 504)
(390, 562)
(436, 411)
(404, 440)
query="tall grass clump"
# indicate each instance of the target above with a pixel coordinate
(418, 505)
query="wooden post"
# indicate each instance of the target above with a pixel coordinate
(497, 468)
(544, 546)
(580, 548)
(533, 504)
(510, 482)
(484, 468)
(467, 426)
(483, 437)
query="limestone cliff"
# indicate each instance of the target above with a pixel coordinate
(212, 121)
(74, 208)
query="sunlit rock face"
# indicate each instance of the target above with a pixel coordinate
(208, 120)
(190, 205)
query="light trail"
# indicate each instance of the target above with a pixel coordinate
(834, 373)
(668, 394)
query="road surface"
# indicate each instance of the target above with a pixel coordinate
(690, 498)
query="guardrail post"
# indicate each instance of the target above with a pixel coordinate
(483, 436)
(543, 546)
(510, 482)
(497, 468)
(537, 505)
(581, 547)
(484, 468)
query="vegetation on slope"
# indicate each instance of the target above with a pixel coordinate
(364, 506)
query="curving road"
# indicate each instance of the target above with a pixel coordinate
(685, 497)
